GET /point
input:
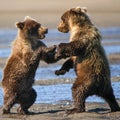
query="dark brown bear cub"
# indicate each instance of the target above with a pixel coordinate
(21, 66)
(88, 59)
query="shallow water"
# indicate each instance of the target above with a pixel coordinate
(43, 74)
(62, 92)
(55, 37)
(55, 93)
(47, 73)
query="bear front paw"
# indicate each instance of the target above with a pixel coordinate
(60, 72)
(62, 51)
(51, 49)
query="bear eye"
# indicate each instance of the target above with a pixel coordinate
(38, 25)
(35, 28)
(62, 18)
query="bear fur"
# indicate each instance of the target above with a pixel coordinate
(87, 57)
(20, 69)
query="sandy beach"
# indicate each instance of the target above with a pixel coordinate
(104, 13)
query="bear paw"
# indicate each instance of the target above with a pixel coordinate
(60, 72)
(24, 112)
(74, 110)
(4, 111)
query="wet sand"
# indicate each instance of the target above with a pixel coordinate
(104, 13)
(94, 111)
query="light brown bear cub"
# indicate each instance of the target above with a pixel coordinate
(21, 66)
(88, 59)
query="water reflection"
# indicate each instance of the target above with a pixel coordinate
(62, 92)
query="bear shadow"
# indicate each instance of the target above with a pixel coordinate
(100, 110)
(50, 111)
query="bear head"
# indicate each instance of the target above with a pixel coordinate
(31, 29)
(75, 17)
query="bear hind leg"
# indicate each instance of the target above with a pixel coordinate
(79, 95)
(26, 100)
(110, 98)
(9, 101)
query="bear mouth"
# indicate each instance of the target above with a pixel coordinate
(42, 36)
(63, 30)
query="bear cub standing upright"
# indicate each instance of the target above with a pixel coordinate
(88, 58)
(21, 66)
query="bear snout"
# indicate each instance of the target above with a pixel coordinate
(58, 56)
(43, 30)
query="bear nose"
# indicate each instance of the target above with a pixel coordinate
(46, 31)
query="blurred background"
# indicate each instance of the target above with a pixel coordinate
(105, 14)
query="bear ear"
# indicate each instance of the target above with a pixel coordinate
(80, 9)
(20, 25)
(84, 9)
(29, 18)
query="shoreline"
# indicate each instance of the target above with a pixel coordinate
(94, 111)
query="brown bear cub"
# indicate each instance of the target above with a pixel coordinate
(88, 58)
(21, 66)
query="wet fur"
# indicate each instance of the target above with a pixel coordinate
(20, 69)
(87, 57)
